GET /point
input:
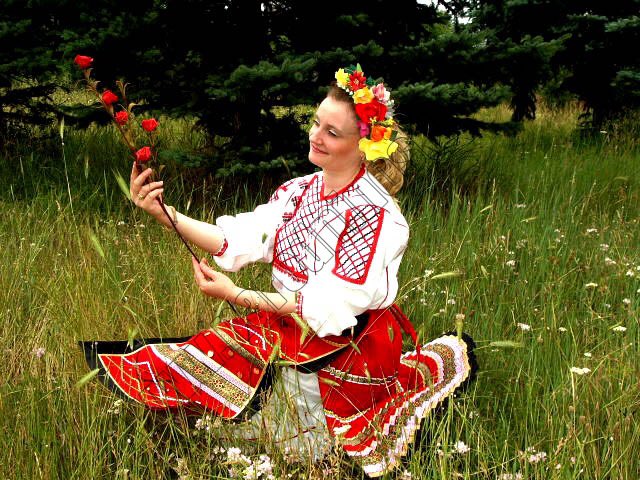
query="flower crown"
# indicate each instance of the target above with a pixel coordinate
(374, 108)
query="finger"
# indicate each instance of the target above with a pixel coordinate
(144, 191)
(134, 173)
(196, 271)
(207, 270)
(152, 196)
(140, 179)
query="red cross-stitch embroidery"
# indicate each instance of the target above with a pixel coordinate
(357, 243)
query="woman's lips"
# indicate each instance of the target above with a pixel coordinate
(316, 149)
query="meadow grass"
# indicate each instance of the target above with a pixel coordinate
(543, 261)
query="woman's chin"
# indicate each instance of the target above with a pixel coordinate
(316, 158)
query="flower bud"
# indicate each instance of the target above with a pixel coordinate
(143, 155)
(83, 61)
(108, 97)
(150, 124)
(122, 117)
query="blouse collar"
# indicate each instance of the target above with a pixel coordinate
(359, 175)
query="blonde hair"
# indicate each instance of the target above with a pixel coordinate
(388, 171)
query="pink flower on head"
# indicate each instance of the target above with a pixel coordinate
(364, 129)
(108, 97)
(381, 93)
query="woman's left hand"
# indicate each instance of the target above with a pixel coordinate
(212, 283)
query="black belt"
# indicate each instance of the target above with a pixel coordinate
(353, 332)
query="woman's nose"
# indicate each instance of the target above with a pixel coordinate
(313, 135)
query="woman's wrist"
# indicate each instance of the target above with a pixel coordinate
(164, 220)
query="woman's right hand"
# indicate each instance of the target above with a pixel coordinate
(144, 196)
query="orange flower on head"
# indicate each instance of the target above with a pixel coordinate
(377, 132)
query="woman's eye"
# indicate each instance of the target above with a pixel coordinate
(333, 133)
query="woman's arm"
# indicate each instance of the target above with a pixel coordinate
(216, 284)
(205, 235)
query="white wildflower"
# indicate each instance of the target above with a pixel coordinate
(626, 301)
(115, 408)
(604, 247)
(121, 222)
(524, 327)
(591, 230)
(629, 273)
(608, 261)
(619, 328)
(39, 352)
(510, 263)
(521, 205)
(406, 475)
(558, 466)
(562, 329)
(510, 476)
(580, 371)
(451, 301)
(588, 354)
(461, 448)
(537, 457)
(234, 455)
(591, 285)
(428, 273)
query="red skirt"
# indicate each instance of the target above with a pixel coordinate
(374, 397)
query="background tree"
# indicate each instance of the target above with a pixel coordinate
(28, 64)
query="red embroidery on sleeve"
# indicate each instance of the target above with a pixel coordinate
(357, 243)
(223, 248)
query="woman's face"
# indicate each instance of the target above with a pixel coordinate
(334, 136)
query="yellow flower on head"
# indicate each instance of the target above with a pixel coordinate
(364, 95)
(342, 77)
(375, 150)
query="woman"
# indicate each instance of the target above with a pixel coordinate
(336, 239)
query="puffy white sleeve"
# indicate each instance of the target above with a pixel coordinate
(249, 236)
(361, 276)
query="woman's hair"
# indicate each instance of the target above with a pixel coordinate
(388, 171)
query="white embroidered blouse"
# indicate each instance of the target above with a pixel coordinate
(340, 252)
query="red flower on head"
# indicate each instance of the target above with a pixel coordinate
(108, 97)
(83, 61)
(122, 117)
(143, 155)
(368, 111)
(356, 81)
(150, 124)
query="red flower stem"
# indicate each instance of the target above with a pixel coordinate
(139, 170)
(164, 210)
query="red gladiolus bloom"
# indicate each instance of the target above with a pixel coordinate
(143, 155)
(150, 124)
(122, 117)
(108, 97)
(83, 61)
(357, 80)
